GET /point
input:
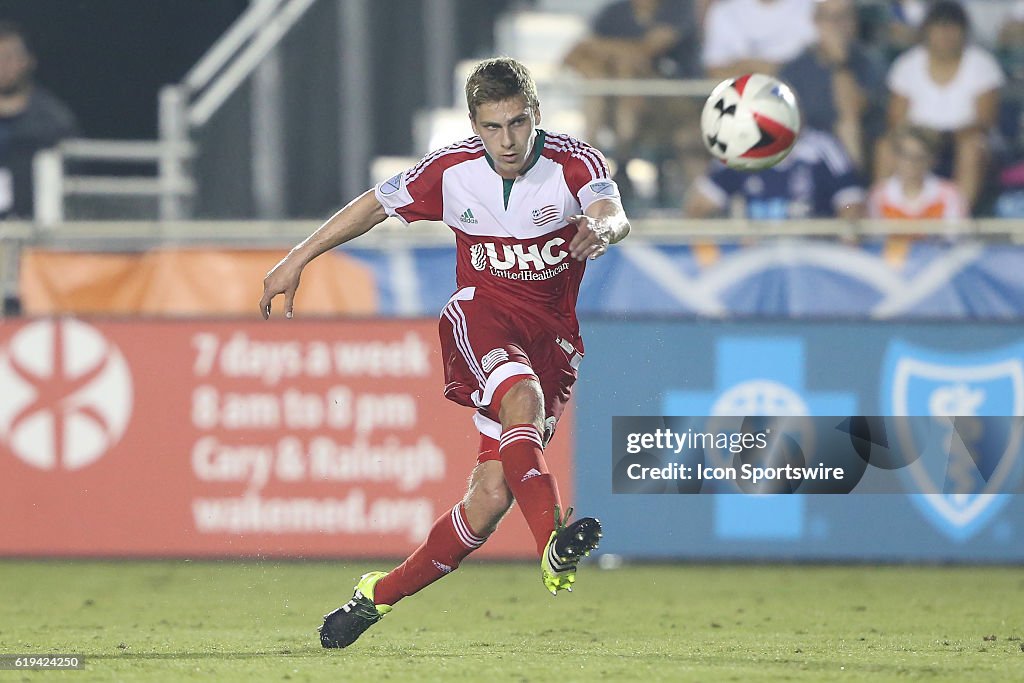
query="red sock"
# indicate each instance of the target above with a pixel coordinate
(449, 542)
(526, 473)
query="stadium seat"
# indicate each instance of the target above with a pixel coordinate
(384, 167)
(587, 9)
(434, 128)
(538, 37)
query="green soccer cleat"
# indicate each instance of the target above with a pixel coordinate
(565, 548)
(344, 625)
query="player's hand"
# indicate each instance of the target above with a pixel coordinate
(282, 279)
(592, 237)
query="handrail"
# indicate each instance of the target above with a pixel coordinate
(628, 87)
(243, 28)
(93, 149)
(189, 104)
(134, 235)
(270, 34)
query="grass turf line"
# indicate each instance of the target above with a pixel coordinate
(228, 621)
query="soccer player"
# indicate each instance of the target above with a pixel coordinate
(528, 208)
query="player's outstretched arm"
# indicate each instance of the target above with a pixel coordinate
(355, 219)
(604, 223)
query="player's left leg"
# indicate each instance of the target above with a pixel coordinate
(452, 538)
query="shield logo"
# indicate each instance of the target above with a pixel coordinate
(971, 440)
(391, 185)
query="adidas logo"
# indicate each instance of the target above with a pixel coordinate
(467, 217)
(530, 474)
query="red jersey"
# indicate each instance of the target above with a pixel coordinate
(512, 236)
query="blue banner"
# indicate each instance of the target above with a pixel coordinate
(671, 367)
(895, 279)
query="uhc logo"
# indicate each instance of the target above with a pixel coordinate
(523, 257)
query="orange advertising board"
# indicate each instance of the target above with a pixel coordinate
(184, 281)
(210, 439)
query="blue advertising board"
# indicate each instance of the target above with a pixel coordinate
(673, 367)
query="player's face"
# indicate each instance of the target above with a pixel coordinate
(508, 129)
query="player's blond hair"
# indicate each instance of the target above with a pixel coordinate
(494, 80)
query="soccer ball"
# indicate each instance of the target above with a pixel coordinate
(750, 122)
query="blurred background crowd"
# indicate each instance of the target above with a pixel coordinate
(912, 108)
(157, 158)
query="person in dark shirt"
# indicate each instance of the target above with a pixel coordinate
(31, 119)
(634, 39)
(816, 180)
(840, 87)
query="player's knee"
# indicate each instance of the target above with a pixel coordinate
(489, 499)
(523, 403)
(496, 497)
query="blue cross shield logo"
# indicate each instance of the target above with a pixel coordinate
(969, 463)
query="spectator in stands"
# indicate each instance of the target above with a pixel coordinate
(951, 89)
(839, 85)
(914, 191)
(904, 24)
(1011, 33)
(31, 119)
(1010, 201)
(816, 180)
(634, 39)
(755, 36)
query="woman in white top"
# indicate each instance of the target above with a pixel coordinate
(949, 88)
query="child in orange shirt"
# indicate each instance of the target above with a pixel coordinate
(913, 191)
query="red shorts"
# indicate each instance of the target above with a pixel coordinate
(487, 348)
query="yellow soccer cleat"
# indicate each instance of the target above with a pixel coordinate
(565, 548)
(344, 625)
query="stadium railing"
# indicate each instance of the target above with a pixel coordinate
(182, 108)
(141, 236)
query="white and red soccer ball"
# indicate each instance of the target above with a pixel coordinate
(751, 122)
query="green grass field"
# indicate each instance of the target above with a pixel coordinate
(234, 621)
